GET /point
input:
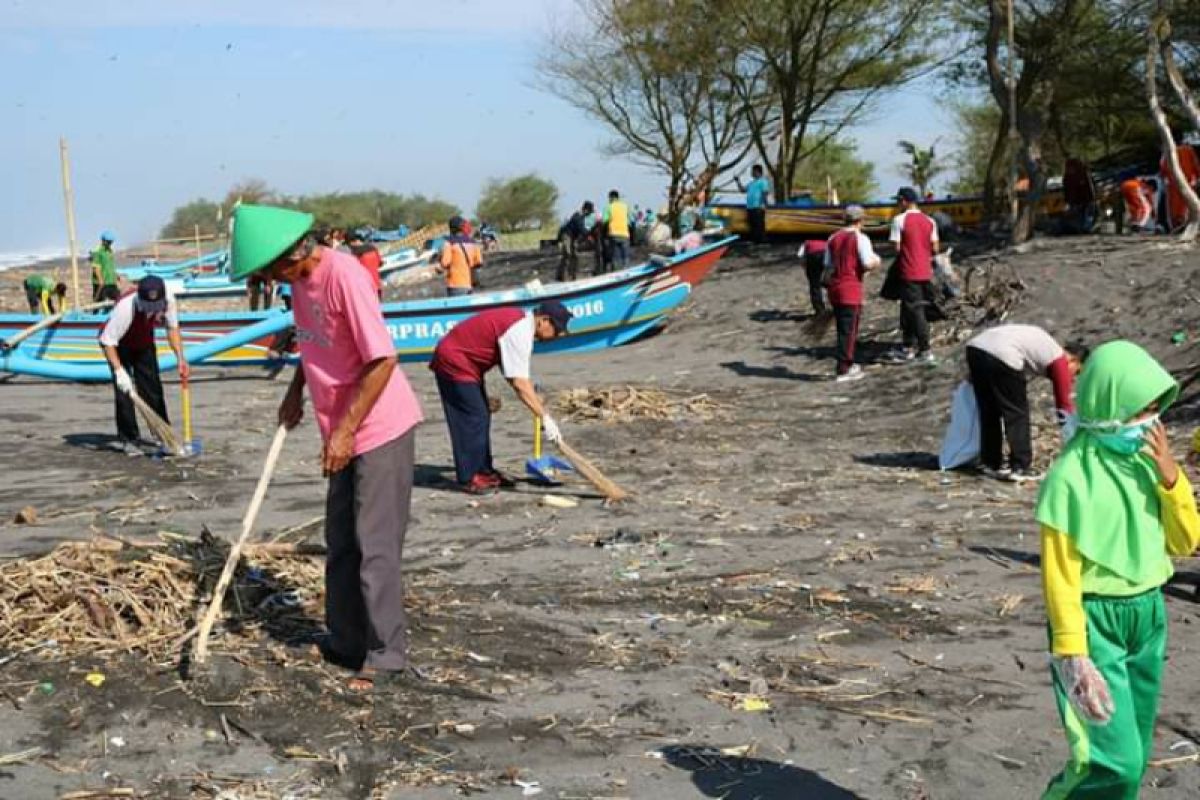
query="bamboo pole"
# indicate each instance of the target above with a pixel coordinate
(69, 201)
(50, 321)
(199, 252)
(200, 646)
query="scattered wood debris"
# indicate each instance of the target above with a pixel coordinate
(627, 403)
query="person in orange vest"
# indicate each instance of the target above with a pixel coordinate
(458, 259)
(1139, 205)
(1189, 164)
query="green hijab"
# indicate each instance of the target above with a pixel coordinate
(1106, 502)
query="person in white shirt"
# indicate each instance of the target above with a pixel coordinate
(127, 340)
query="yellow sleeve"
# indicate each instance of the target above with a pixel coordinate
(1179, 517)
(1062, 586)
(45, 303)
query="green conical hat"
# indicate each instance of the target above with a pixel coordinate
(262, 234)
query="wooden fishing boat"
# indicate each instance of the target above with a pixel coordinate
(610, 310)
(800, 221)
(206, 286)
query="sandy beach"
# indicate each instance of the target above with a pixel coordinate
(795, 604)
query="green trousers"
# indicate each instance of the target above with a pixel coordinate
(1127, 640)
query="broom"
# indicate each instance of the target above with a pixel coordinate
(158, 426)
(593, 475)
(200, 646)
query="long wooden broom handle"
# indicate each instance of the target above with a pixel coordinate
(200, 648)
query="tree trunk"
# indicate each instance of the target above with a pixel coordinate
(995, 206)
(1031, 126)
(1155, 39)
(1166, 50)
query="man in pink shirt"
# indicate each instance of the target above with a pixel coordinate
(367, 414)
(915, 235)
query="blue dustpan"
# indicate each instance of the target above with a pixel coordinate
(544, 469)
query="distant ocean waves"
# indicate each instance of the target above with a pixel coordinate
(26, 258)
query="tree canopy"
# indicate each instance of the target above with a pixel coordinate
(376, 208)
(523, 203)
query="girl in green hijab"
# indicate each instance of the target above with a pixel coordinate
(1113, 509)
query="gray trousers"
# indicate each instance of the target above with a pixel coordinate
(366, 516)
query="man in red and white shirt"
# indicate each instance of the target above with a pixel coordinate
(848, 256)
(500, 337)
(915, 235)
(127, 340)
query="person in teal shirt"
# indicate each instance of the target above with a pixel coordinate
(757, 194)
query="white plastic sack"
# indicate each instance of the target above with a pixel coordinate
(961, 444)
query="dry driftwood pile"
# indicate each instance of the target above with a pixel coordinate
(103, 597)
(627, 403)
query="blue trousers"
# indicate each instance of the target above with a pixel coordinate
(470, 423)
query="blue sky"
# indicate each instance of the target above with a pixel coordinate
(163, 102)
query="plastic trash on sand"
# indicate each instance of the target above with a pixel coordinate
(960, 446)
(96, 679)
(753, 702)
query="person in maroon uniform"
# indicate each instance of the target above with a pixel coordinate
(812, 254)
(127, 340)
(848, 256)
(915, 235)
(501, 337)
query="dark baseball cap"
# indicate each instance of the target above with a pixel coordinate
(152, 295)
(907, 193)
(558, 314)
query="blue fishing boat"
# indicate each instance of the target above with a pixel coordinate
(610, 310)
(209, 263)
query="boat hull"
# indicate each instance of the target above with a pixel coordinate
(610, 310)
(813, 221)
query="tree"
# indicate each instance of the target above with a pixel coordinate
(922, 165)
(525, 202)
(250, 190)
(1160, 47)
(836, 164)
(1076, 70)
(977, 125)
(808, 69)
(184, 220)
(653, 74)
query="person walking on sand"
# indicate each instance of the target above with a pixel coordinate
(570, 236)
(1113, 509)
(367, 415)
(616, 230)
(127, 341)
(104, 270)
(502, 337)
(459, 257)
(812, 255)
(915, 235)
(1000, 360)
(758, 193)
(848, 256)
(41, 292)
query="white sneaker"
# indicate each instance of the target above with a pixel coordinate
(899, 356)
(853, 374)
(927, 357)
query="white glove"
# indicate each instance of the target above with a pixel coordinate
(550, 431)
(1085, 687)
(121, 378)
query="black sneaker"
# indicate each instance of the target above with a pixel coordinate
(1025, 476)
